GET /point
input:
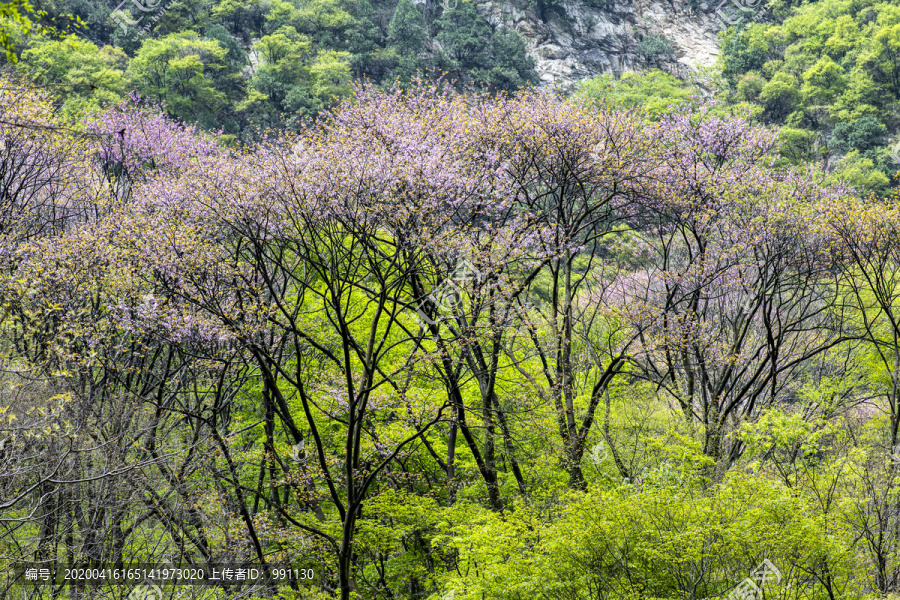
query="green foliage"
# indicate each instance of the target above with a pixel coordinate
(333, 42)
(743, 50)
(789, 440)
(406, 32)
(184, 15)
(861, 172)
(654, 46)
(283, 56)
(779, 96)
(323, 20)
(254, 311)
(648, 535)
(750, 86)
(294, 81)
(331, 75)
(91, 77)
(511, 68)
(494, 59)
(236, 55)
(17, 21)
(831, 68)
(180, 69)
(245, 19)
(863, 134)
(460, 33)
(654, 90)
(822, 82)
(798, 145)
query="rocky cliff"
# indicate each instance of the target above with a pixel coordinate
(573, 40)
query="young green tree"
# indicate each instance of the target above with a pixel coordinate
(179, 70)
(90, 77)
(654, 90)
(17, 21)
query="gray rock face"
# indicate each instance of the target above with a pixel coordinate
(573, 40)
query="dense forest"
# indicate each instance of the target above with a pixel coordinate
(827, 73)
(329, 286)
(247, 67)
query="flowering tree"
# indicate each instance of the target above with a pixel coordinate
(57, 418)
(135, 139)
(867, 235)
(574, 167)
(306, 257)
(741, 286)
(345, 346)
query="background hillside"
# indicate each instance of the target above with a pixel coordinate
(827, 72)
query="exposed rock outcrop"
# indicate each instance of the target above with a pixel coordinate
(573, 40)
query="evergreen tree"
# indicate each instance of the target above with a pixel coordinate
(406, 31)
(495, 59)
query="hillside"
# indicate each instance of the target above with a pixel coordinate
(826, 71)
(254, 59)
